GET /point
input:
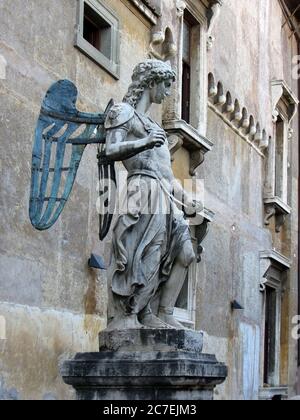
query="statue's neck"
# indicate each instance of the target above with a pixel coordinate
(144, 103)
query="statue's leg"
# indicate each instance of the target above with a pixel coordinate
(150, 320)
(147, 316)
(117, 318)
(172, 288)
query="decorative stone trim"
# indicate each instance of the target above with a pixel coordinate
(284, 105)
(148, 10)
(153, 6)
(275, 207)
(162, 46)
(236, 117)
(270, 259)
(180, 7)
(268, 394)
(212, 16)
(185, 135)
(280, 90)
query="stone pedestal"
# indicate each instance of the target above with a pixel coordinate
(146, 365)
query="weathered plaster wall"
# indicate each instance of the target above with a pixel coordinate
(250, 50)
(53, 304)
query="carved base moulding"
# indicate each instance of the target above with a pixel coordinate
(146, 365)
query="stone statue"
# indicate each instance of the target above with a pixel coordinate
(152, 246)
(152, 250)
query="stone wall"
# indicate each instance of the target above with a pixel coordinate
(53, 304)
(250, 50)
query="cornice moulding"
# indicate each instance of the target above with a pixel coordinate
(277, 258)
(279, 204)
(192, 139)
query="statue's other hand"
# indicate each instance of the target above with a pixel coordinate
(194, 205)
(198, 205)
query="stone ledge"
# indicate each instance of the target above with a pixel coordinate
(275, 207)
(276, 258)
(271, 393)
(157, 365)
(192, 139)
(134, 367)
(144, 375)
(280, 206)
(145, 340)
(188, 137)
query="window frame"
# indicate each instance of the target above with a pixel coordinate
(188, 316)
(274, 269)
(284, 104)
(273, 377)
(197, 68)
(112, 65)
(283, 178)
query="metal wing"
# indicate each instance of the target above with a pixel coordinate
(107, 192)
(61, 136)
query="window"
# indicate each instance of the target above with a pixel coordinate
(190, 67)
(97, 31)
(98, 35)
(270, 336)
(186, 72)
(185, 305)
(281, 158)
(185, 308)
(274, 269)
(285, 106)
(183, 298)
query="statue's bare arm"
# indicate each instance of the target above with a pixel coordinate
(118, 148)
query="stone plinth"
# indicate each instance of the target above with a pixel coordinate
(146, 365)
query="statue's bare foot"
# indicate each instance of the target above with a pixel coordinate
(171, 321)
(129, 322)
(151, 321)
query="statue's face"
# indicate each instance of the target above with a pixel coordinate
(159, 91)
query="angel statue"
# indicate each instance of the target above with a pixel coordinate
(151, 246)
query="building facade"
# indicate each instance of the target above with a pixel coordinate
(233, 125)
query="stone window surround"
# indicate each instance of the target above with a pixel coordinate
(199, 233)
(282, 97)
(191, 136)
(187, 317)
(269, 259)
(273, 260)
(112, 66)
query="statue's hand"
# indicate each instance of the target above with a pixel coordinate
(157, 138)
(195, 206)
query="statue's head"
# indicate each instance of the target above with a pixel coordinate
(155, 75)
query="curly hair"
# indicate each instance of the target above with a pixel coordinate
(145, 73)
